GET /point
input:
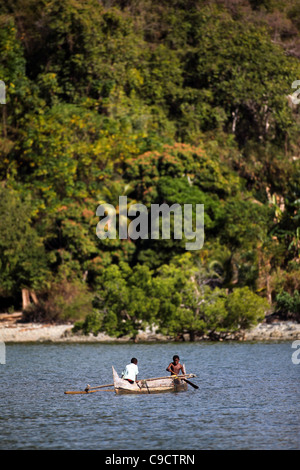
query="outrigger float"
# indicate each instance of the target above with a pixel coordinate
(172, 383)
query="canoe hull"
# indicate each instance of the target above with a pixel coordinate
(148, 386)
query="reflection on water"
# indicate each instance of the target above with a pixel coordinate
(248, 398)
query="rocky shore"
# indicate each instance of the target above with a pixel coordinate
(12, 331)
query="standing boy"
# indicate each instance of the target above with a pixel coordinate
(175, 367)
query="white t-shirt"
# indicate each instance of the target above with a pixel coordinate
(130, 372)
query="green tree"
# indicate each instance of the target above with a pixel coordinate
(23, 260)
(245, 309)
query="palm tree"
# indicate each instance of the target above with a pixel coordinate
(109, 196)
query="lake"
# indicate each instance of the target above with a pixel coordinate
(248, 398)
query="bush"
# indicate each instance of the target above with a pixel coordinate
(244, 309)
(92, 324)
(65, 301)
(43, 312)
(288, 306)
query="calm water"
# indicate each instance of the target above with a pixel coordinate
(248, 398)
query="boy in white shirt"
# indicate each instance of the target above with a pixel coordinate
(131, 371)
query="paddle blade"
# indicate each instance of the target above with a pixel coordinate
(191, 383)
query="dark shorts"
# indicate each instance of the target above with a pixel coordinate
(130, 381)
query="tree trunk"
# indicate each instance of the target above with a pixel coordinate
(25, 298)
(4, 121)
(34, 297)
(192, 335)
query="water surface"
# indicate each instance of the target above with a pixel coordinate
(248, 398)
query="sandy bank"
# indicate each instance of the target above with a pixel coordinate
(31, 332)
(286, 331)
(13, 332)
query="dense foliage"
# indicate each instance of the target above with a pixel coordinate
(181, 102)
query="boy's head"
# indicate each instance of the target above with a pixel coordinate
(134, 360)
(176, 359)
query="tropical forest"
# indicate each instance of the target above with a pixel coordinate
(159, 102)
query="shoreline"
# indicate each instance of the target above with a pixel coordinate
(11, 331)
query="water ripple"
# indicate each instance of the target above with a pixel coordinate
(248, 398)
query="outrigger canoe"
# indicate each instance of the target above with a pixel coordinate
(173, 383)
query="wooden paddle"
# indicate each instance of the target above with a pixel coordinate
(186, 380)
(191, 383)
(170, 376)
